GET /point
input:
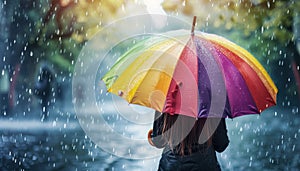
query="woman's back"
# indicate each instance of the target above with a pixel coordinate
(202, 160)
(189, 143)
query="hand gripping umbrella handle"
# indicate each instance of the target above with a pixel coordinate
(150, 138)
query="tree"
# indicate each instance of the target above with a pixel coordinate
(53, 31)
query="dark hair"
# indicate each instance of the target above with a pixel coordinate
(183, 132)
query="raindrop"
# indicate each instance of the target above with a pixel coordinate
(268, 4)
(293, 149)
(280, 63)
(281, 27)
(54, 123)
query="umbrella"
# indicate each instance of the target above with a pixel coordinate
(190, 73)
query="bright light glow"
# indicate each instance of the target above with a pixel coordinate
(65, 3)
(154, 6)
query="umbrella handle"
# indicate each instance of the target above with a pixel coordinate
(150, 138)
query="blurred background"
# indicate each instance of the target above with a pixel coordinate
(40, 41)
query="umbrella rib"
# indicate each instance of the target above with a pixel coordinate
(266, 79)
(121, 60)
(246, 87)
(147, 73)
(133, 96)
(242, 75)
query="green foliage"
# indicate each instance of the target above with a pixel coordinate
(273, 17)
(62, 26)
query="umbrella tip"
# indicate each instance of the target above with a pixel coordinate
(193, 26)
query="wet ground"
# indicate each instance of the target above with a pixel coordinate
(266, 142)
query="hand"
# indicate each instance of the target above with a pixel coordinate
(150, 138)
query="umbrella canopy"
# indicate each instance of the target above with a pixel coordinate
(176, 73)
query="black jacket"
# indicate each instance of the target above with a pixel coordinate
(203, 156)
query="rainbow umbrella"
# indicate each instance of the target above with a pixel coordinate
(193, 74)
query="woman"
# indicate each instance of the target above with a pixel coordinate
(189, 144)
